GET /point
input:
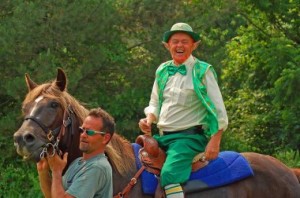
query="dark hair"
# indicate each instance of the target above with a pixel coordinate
(109, 125)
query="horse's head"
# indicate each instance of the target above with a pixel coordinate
(51, 120)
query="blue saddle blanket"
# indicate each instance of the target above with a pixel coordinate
(229, 167)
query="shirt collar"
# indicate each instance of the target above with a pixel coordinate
(190, 61)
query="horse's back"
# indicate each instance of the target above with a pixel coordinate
(271, 179)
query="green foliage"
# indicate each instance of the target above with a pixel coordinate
(289, 158)
(261, 77)
(19, 179)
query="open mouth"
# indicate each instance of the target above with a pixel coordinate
(179, 51)
(24, 153)
(29, 155)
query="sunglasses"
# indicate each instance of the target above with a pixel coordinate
(90, 132)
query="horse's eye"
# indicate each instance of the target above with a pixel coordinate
(54, 104)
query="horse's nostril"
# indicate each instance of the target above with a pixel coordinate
(29, 138)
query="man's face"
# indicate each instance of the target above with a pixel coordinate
(89, 144)
(181, 46)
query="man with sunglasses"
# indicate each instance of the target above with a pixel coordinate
(89, 175)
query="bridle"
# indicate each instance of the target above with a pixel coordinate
(54, 135)
(50, 133)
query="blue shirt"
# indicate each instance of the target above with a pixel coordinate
(89, 178)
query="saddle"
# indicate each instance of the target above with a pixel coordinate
(227, 168)
(153, 157)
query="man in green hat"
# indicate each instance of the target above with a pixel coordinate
(187, 106)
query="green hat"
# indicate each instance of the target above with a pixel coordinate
(181, 27)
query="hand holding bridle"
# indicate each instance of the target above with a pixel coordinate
(57, 164)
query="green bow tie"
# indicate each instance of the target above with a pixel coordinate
(173, 69)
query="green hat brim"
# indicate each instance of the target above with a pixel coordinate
(168, 34)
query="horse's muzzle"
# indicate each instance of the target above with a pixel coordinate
(28, 145)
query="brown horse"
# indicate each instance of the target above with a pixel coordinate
(51, 120)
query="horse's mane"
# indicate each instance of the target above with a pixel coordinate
(120, 154)
(120, 160)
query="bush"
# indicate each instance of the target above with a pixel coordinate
(290, 158)
(19, 179)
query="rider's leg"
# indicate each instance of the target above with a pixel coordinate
(174, 191)
(180, 153)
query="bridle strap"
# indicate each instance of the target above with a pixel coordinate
(59, 131)
(67, 120)
(130, 185)
(45, 129)
(67, 124)
(50, 133)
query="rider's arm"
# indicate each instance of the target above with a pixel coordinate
(151, 111)
(153, 108)
(214, 93)
(213, 147)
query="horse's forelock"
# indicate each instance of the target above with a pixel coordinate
(35, 93)
(65, 99)
(50, 90)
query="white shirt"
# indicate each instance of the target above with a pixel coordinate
(181, 108)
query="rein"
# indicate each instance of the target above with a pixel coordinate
(57, 133)
(130, 185)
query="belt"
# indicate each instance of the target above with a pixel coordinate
(192, 130)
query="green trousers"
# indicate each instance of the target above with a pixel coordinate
(180, 149)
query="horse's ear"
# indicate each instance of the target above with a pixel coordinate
(30, 84)
(61, 79)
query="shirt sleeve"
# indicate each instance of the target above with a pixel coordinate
(215, 95)
(154, 103)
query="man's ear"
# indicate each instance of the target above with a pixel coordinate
(166, 45)
(107, 138)
(196, 44)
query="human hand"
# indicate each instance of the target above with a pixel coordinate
(57, 164)
(145, 126)
(145, 123)
(213, 147)
(42, 166)
(211, 151)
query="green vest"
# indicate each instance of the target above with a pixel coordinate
(199, 70)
